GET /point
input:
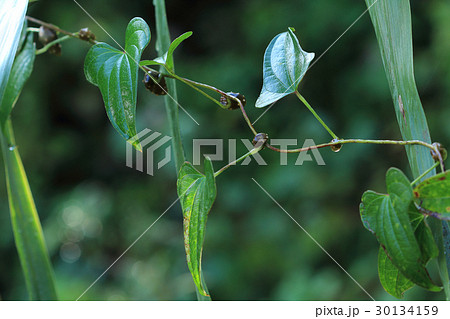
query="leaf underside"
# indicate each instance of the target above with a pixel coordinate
(285, 64)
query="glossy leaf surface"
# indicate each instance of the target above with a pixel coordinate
(116, 74)
(285, 64)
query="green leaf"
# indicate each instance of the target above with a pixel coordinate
(197, 193)
(285, 64)
(171, 99)
(392, 23)
(27, 229)
(388, 218)
(393, 27)
(116, 74)
(434, 193)
(167, 58)
(12, 16)
(426, 242)
(20, 72)
(391, 278)
(149, 62)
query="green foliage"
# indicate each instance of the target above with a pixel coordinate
(393, 27)
(280, 279)
(167, 58)
(116, 74)
(197, 193)
(392, 23)
(11, 23)
(285, 64)
(28, 234)
(433, 194)
(171, 99)
(20, 72)
(391, 278)
(387, 217)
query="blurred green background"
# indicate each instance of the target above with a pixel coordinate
(92, 206)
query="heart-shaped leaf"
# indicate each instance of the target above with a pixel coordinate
(116, 74)
(285, 64)
(20, 72)
(197, 193)
(387, 216)
(434, 194)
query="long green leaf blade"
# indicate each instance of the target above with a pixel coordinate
(20, 72)
(116, 74)
(171, 99)
(27, 229)
(12, 15)
(392, 24)
(197, 193)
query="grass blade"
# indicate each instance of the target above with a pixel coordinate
(27, 229)
(392, 22)
(162, 46)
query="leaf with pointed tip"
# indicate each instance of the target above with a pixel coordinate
(285, 65)
(167, 58)
(20, 72)
(149, 62)
(391, 278)
(197, 193)
(388, 218)
(434, 194)
(116, 74)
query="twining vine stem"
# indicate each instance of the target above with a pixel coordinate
(197, 85)
(51, 26)
(310, 108)
(50, 44)
(425, 173)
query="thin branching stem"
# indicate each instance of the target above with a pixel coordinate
(58, 29)
(352, 141)
(49, 45)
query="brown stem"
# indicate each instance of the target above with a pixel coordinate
(51, 26)
(58, 29)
